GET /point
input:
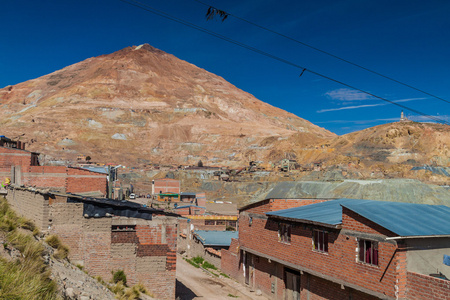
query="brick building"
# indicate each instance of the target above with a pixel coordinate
(208, 244)
(342, 249)
(165, 186)
(23, 168)
(106, 235)
(189, 209)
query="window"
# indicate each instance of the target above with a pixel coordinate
(232, 223)
(368, 252)
(210, 222)
(123, 227)
(320, 241)
(284, 233)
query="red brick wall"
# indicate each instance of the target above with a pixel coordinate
(45, 176)
(423, 287)
(264, 206)
(14, 157)
(167, 186)
(316, 288)
(355, 222)
(230, 261)
(279, 204)
(80, 181)
(340, 262)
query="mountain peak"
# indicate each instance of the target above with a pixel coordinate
(164, 109)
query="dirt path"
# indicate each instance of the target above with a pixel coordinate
(194, 283)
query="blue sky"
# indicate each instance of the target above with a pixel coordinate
(405, 40)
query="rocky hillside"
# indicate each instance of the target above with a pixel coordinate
(141, 105)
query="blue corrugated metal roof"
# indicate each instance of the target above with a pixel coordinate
(189, 205)
(403, 219)
(328, 212)
(216, 238)
(103, 170)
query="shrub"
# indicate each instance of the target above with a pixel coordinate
(53, 241)
(198, 260)
(119, 275)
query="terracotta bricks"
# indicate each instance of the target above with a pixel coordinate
(346, 277)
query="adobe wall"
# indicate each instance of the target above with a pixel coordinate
(146, 252)
(31, 205)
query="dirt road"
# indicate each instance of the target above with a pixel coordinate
(194, 283)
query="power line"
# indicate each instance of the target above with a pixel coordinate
(189, 24)
(326, 53)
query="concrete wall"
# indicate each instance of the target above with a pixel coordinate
(425, 256)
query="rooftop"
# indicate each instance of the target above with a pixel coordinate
(403, 219)
(216, 238)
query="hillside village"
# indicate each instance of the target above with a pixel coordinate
(281, 246)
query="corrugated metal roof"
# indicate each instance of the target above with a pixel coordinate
(189, 205)
(328, 212)
(103, 170)
(187, 194)
(403, 219)
(216, 238)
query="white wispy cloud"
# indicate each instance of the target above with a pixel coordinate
(359, 121)
(349, 107)
(347, 95)
(427, 119)
(367, 105)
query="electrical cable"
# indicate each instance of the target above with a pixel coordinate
(189, 24)
(327, 53)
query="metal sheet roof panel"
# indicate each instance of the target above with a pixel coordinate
(405, 219)
(328, 212)
(216, 238)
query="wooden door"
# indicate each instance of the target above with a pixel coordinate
(292, 286)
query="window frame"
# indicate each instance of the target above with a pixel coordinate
(371, 258)
(284, 233)
(321, 237)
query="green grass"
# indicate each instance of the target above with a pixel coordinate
(26, 277)
(192, 262)
(198, 260)
(232, 296)
(207, 265)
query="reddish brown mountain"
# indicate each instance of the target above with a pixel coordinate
(141, 105)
